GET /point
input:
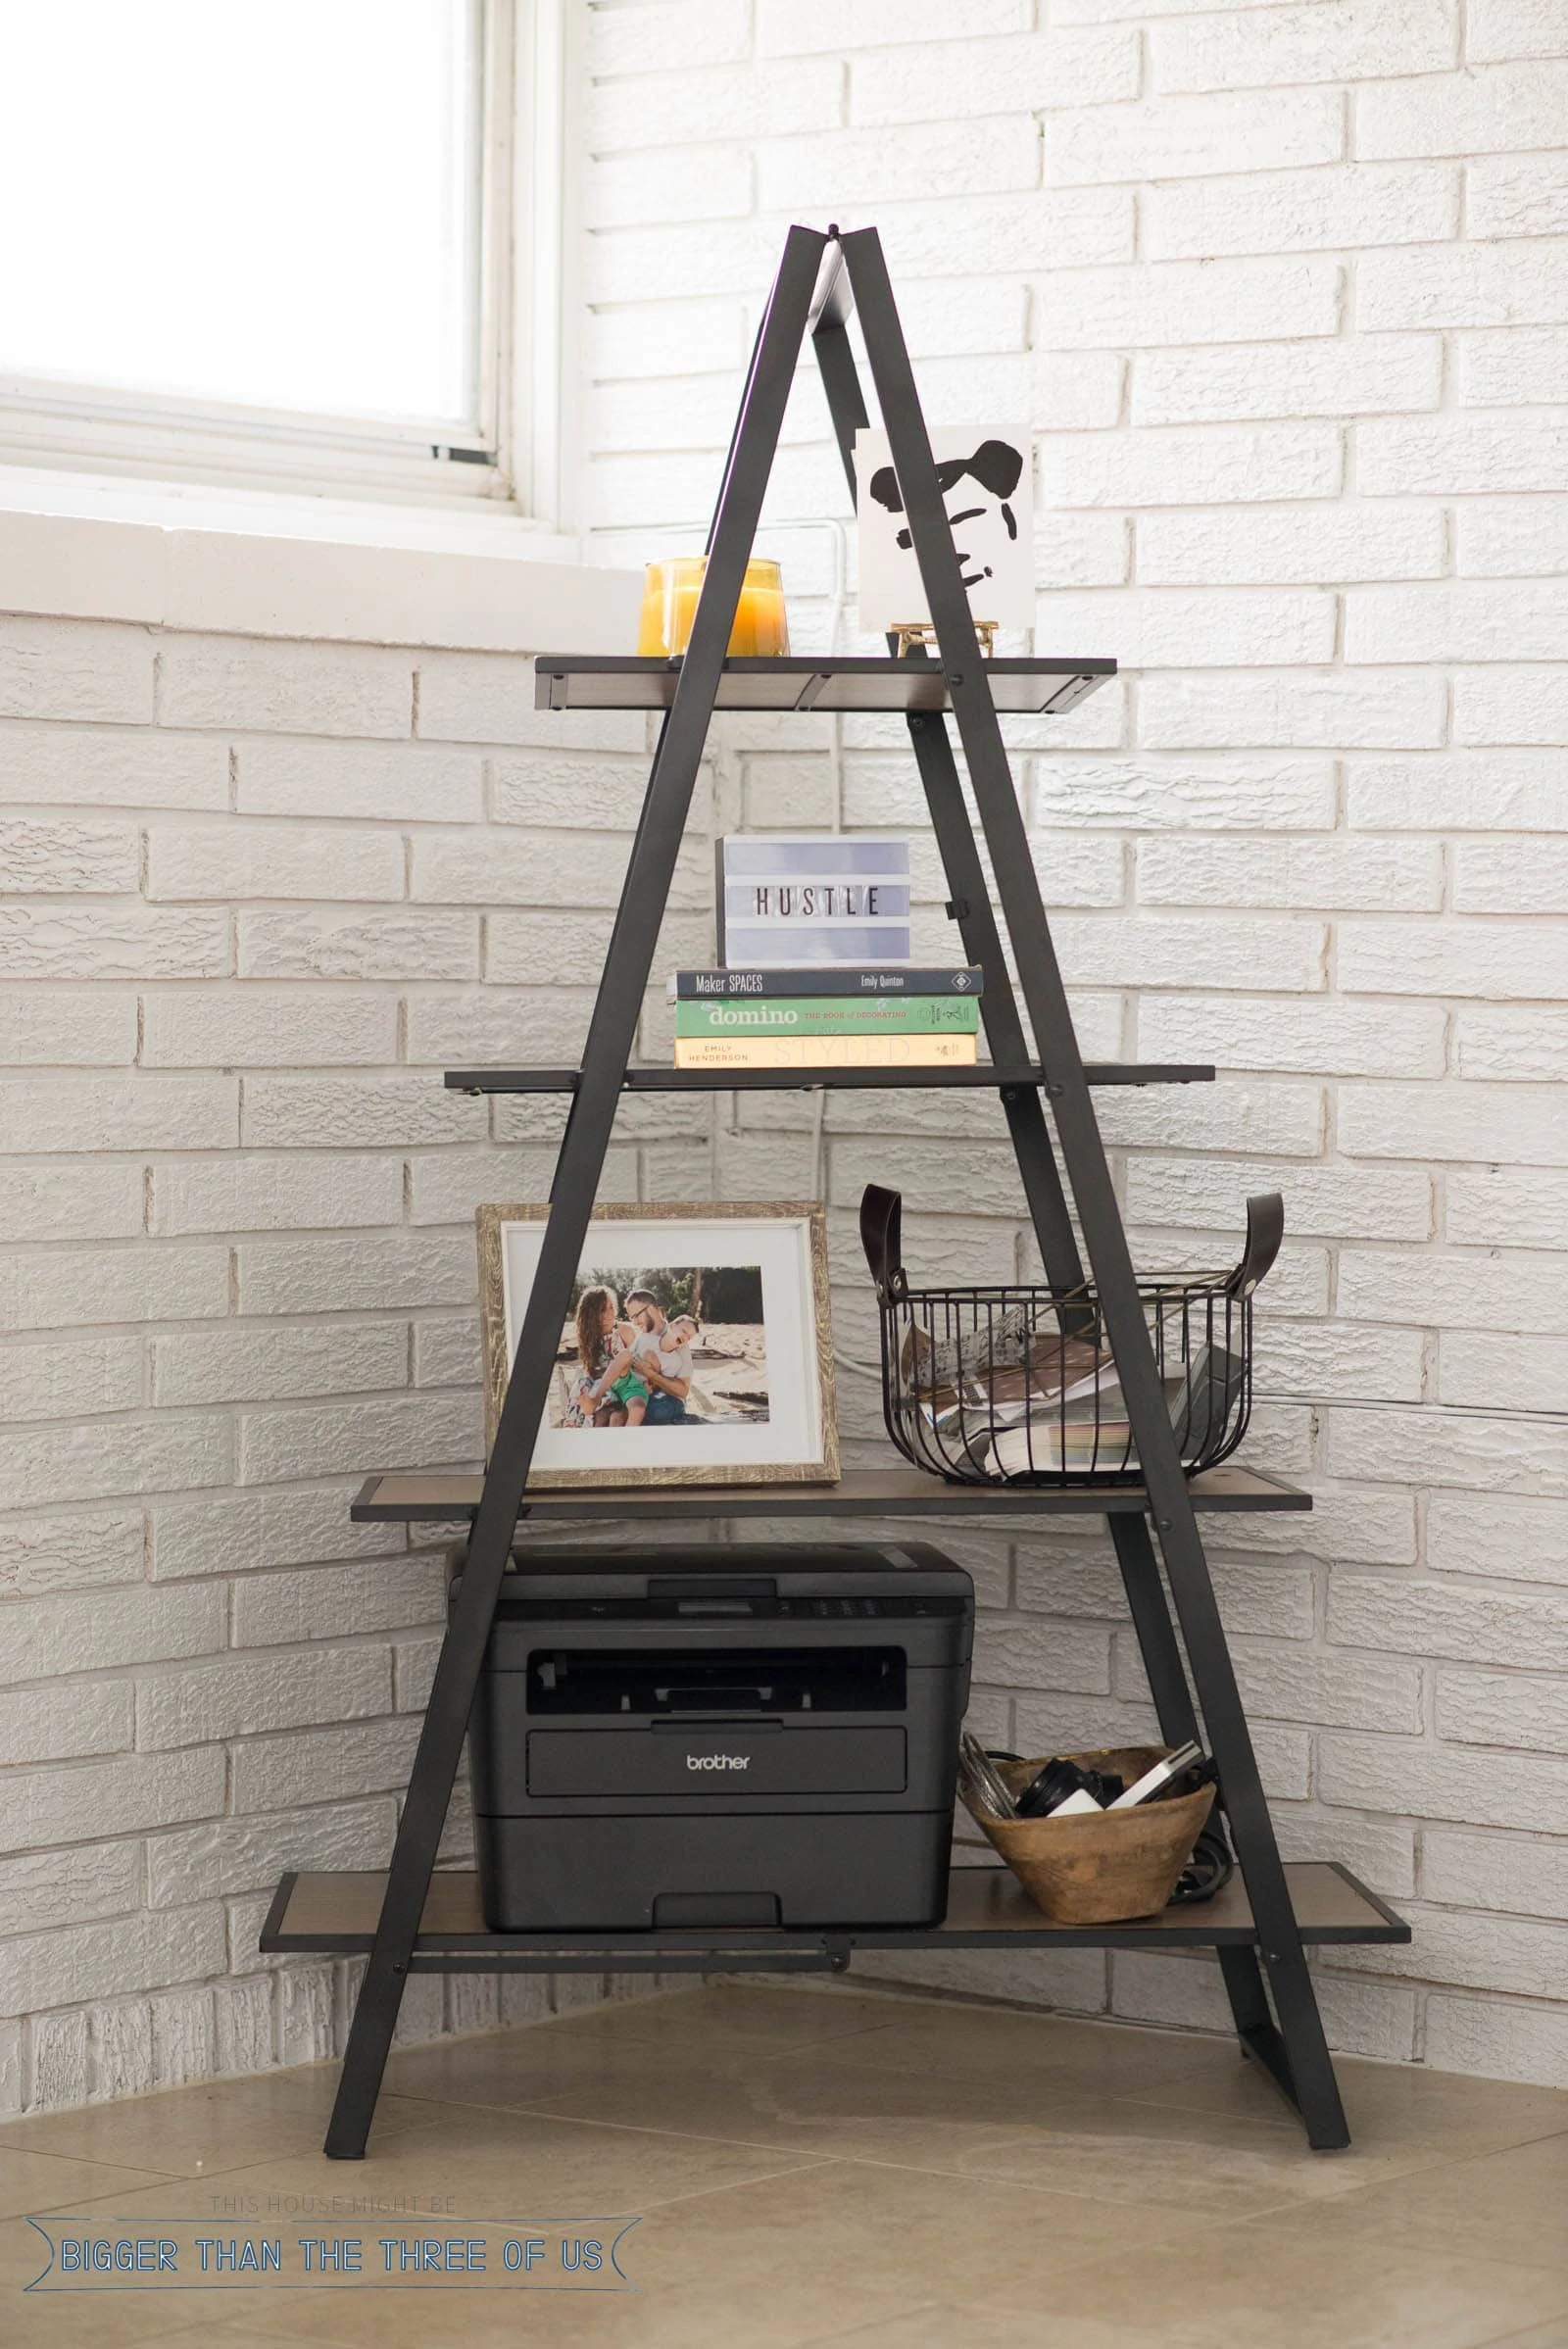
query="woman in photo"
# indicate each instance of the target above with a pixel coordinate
(597, 1312)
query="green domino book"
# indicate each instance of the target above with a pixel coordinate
(830, 1015)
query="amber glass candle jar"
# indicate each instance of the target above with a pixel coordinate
(671, 590)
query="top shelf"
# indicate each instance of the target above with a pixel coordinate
(616, 681)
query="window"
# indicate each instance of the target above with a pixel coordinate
(262, 241)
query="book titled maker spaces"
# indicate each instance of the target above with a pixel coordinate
(834, 983)
(789, 900)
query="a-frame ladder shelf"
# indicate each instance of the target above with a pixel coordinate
(650, 1079)
(1049, 1109)
(611, 681)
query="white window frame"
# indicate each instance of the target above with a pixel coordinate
(513, 461)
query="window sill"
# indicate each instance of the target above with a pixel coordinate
(249, 564)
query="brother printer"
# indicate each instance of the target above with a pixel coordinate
(725, 1736)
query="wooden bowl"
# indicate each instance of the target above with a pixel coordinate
(1100, 1868)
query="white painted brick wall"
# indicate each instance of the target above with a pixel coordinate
(245, 889)
(1282, 291)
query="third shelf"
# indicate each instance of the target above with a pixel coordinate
(402, 1498)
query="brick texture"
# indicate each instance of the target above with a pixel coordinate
(221, 1027)
(1293, 346)
(1280, 293)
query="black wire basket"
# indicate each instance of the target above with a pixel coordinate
(1018, 1385)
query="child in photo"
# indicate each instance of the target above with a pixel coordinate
(622, 1392)
(674, 1343)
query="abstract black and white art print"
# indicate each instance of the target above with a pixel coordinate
(984, 474)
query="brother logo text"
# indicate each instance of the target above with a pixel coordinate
(719, 1761)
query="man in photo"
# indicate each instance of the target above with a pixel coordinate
(666, 1363)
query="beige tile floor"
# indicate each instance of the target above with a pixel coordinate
(867, 2170)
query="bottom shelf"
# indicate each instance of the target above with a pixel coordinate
(986, 1909)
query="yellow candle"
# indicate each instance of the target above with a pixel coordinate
(761, 628)
(651, 621)
(671, 591)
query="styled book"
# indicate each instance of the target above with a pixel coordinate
(834, 979)
(1206, 1398)
(1049, 1444)
(1093, 1431)
(1059, 1370)
(831, 1015)
(825, 1051)
(791, 898)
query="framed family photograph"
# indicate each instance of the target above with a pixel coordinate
(697, 1347)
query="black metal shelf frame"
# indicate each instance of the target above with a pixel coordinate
(1264, 1969)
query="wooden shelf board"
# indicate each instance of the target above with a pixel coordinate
(986, 1908)
(860, 683)
(399, 1498)
(655, 1079)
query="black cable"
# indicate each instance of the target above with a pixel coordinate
(1210, 1867)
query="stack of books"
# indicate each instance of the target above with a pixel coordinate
(826, 1019)
(813, 943)
(1009, 1400)
(1086, 1428)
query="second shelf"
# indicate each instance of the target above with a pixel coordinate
(650, 1077)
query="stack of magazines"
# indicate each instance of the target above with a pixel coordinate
(1057, 1409)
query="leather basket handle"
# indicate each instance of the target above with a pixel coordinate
(881, 1237)
(1265, 1228)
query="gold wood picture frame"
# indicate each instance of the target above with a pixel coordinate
(699, 1350)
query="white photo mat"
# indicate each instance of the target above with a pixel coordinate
(798, 1440)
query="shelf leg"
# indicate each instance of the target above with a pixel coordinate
(1294, 2053)
(1299, 2059)
(1156, 1633)
(644, 893)
(999, 1006)
(967, 888)
(1255, 2027)
(1099, 1214)
(1178, 1720)
(424, 1811)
